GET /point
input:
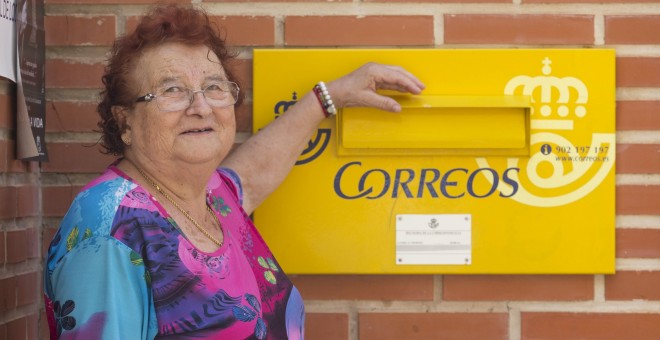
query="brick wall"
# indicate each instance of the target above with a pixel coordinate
(20, 230)
(623, 306)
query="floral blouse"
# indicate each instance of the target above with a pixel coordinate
(118, 268)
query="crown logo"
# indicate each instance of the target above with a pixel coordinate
(554, 97)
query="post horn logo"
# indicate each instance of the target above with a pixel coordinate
(317, 144)
(558, 106)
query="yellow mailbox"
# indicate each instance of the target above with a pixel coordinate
(505, 164)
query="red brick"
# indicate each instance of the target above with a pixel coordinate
(8, 288)
(637, 72)
(359, 31)
(73, 74)
(638, 243)
(298, 1)
(242, 70)
(244, 118)
(33, 243)
(237, 30)
(8, 161)
(637, 200)
(28, 201)
(17, 329)
(436, 326)
(587, 1)
(131, 23)
(517, 287)
(637, 158)
(8, 197)
(638, 115)
(326, 326)
(441, 1)
(57, 200)
(14, 164)
(8, 109)
(33, 167)
(3, 248)
(76, 158)
(247, 30)
(365, 287)
(67, 30)
(71, 116)
(3, 158)
(27, 289)
(632, 29)
(17, 246)
(568, 326)
(44, 329)
(519, 29)
(32, 327)
(95, 2)
(632, 285)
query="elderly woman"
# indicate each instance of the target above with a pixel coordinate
(161, 245)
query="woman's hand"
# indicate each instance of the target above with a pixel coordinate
(358, 88)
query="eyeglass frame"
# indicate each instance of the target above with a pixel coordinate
(147, 98)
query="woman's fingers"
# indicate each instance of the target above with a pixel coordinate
(373, 99)
(358, 89)
(403, 81)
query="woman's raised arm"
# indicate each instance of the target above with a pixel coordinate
(265, 159)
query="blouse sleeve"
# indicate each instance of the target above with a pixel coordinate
(101, 290)
(231, 178)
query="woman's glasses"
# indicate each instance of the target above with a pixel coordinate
(176, 98)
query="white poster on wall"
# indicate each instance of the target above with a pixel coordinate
(30, 81)
(8, 39)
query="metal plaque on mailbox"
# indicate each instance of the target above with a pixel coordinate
(504, 164)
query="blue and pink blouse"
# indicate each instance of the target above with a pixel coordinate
(119, 268)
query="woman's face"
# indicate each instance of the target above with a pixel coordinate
(194, 135)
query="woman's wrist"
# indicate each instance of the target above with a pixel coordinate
(325, 100)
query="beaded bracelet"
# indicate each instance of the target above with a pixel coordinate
(325, 100)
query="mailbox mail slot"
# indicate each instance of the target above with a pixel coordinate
(438, 125)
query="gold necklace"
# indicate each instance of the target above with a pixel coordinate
(185, 213)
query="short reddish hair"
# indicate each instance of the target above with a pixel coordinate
(168, 23)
